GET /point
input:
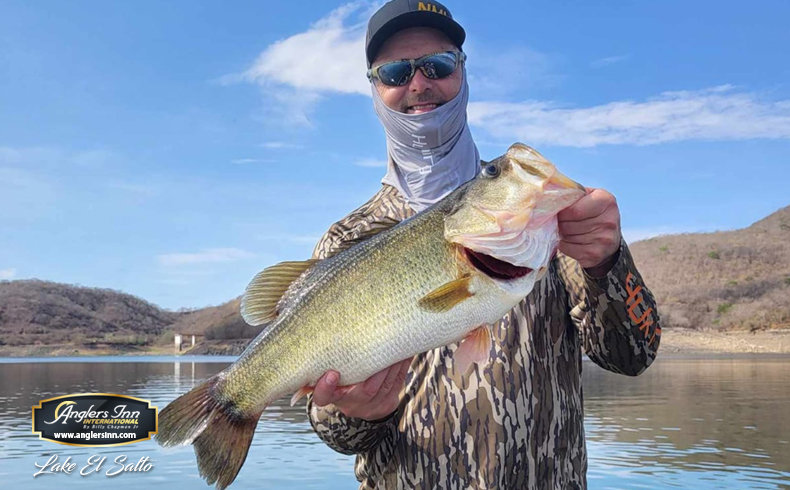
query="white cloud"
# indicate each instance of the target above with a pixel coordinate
(295, 72)
(280, 145)
(609, 60)
(138, 189)
(48, 157)
(498, 71)
(328, 57)
(370, 162)
(38, 156)
(246, 161)
(93, 158)
(7, 274)
(287, 106)
(14, 156)
(25, 195)
(209, 255)
(718, 113)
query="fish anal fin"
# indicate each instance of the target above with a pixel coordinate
(446, 296)
(475, 348)
(301, 393)
(259, 303)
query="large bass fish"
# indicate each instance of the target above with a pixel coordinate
(432, 280)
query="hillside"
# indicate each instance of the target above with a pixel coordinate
(731, 280)
(45, 317)
(216, 322)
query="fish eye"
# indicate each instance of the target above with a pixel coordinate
(491, 170)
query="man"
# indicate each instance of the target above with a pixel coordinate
(517, 421)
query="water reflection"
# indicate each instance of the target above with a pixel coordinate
(283, 446)
(703, 423)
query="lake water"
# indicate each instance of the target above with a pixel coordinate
(685, 423)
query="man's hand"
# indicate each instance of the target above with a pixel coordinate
(373, 399)
(590, 231)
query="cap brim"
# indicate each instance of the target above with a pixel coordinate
(445, 24)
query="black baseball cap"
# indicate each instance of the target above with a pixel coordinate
(400, 14)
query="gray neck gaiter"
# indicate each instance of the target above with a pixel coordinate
(429, 154)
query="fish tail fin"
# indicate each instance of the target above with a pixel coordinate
(220, 433)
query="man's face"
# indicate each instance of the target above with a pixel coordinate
(421, 94)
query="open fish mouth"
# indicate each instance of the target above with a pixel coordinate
(493, 267)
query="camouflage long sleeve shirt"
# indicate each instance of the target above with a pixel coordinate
(516, 421)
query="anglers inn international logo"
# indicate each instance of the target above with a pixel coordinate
(94, 419)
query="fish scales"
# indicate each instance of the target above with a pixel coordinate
(421, 284)
(343, 325)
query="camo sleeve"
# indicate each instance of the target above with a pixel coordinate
(616, 314)
(349, 435)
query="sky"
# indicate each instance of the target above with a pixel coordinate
(171, 150)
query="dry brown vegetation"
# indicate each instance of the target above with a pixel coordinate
(735, 280)
(47, 318)
(40, 313)
(221, 322)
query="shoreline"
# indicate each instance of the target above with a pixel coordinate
(687, 342)
(675, 343)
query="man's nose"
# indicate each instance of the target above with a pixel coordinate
(420, 83)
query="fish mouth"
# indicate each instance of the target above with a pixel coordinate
(493, 267)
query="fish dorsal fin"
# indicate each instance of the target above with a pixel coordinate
(382, 224)
(259, 303)
(447, 295)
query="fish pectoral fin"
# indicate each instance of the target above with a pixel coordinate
(447, 295)
(259, 303)
(475, 348)
(300, 393)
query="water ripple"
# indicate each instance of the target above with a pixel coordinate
(683, 424)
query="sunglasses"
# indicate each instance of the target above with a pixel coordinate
(434, 66)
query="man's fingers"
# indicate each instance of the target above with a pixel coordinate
(573, 228)
(389, 382)
(583, 240)
(383, 381)
(396, 378)
(585, 255)
(326, 390)
(605, 224)
(372, 385)
(578, 252)
(374, 389)
(595, 203)
(404, 367)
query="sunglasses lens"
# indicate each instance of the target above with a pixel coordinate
(396, 73)
(435, 66)
(439, 65)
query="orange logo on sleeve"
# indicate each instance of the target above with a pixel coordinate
(635, 299)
